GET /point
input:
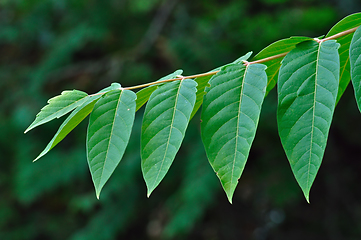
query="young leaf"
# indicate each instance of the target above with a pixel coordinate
(230, 115)
(144, 94)
(348, 22)
(281, 46)
(165, 121)
(70, 123)
(355, 60)
(58, 106)
(109, 129)
(307, 90)
(203, 82)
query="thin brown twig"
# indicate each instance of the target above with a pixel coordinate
(338, 35)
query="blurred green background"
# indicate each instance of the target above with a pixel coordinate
(47, 46)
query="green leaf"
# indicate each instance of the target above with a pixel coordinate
(348, 22)
(109, 129)
(237, 61)
(355, 60)
(281, 46)
(230, 117)
(70, 123)
(144, 94)
(58, 106)
(113, 86)
(307, 90)
(203, 82)
(165, 121)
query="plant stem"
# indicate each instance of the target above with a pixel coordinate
(170, 80)
(338, 35)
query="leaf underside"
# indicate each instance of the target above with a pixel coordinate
(109, 129)
(355, 60)
(165, 121)
(230, 115)
(307, 90)
(58, 106)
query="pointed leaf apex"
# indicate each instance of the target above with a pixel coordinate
(230, 198)
(307, 196)
(97, 192)
(150, 189)
(148, 193)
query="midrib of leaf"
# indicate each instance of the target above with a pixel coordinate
(59, 109)
(170, 132)
(237, 131)
(313, 118)
(110, 138)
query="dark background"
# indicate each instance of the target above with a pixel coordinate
(47, 46)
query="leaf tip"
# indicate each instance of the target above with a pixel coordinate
(230, 196)
(307, 198)
(148, 194)
(306, 193)
(28, 129)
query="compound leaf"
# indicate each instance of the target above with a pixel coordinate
(70, 123)
(307, 90)
(58, 106)
(109, 129)
(230, 115)
(355, 60)
(165, 121)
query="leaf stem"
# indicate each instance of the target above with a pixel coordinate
(171, 80)
(341, 34)
(338, 35)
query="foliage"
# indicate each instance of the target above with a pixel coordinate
(308, 83)
(48, 45)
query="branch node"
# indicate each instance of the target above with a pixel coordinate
(318, 40)
(181, 77)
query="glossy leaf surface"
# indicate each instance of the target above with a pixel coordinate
(58, 106)
(307, 90)
(230, 115)
(165, 121)
(109, 129)
(355, 60)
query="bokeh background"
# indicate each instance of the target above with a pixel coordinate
(47, 46)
